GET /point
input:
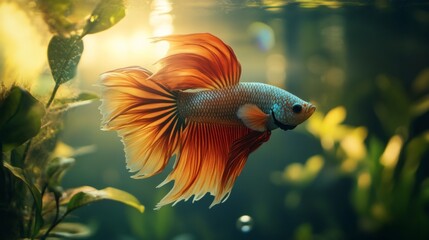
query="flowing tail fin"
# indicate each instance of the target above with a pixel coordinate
(143, 112)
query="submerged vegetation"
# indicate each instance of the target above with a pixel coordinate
(33, 203)
(389, 194)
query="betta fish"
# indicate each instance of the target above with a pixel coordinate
(195, 108)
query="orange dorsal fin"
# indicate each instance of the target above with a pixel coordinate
(143, 112)
(211, 158)
(253, 117)
(197, 61)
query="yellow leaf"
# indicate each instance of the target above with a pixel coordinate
(390, 156)
(294, 172)
(353, 144)
(314, 164)
(314, 125)
(335, 117)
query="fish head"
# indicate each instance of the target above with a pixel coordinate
(290, 112)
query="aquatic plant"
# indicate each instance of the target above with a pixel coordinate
(389, 190)
(33, 160)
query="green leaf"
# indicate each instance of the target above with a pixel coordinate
(56, 169)
(70, 230)
(106, 14)
(84, 198)
(64, 150)
(19, 173)
(415, 151)
(303, 232)
(20, 118)
(375, 149)
(84, 96)
(9, 105)
(64, 56)
(82, 99)
(49, 204)
(17, 156)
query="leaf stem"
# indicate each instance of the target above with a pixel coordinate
(57, 213)
(48, 104)
(24, 155)
(3, 179)
(30, 221)
(27, 147)
(54, 224)
(54, 92)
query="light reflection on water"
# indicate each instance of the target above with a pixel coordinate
(258, 39)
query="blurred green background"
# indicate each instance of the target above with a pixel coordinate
(357, 169)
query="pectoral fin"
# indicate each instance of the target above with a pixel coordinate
(253, 117)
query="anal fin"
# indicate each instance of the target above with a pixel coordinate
(238, 155)
(210, 159)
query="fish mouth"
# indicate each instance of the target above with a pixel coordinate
(282, 126)
(310, 109)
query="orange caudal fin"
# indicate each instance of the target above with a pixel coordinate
(198, 60)
(143, 112)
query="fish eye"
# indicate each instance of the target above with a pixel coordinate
(297, 108)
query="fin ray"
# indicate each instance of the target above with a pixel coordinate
(197, 61)
(239, 153)
(144, 114)
(206, 163)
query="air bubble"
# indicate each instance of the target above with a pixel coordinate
(245, 223)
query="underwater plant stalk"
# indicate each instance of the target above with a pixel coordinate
(10, 216)
(57, 212)
(54, 92)
(48, 104)
(31, 223)
(24, 157)
(56, 222)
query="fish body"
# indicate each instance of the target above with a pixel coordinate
(194, 107)
(221, 106)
